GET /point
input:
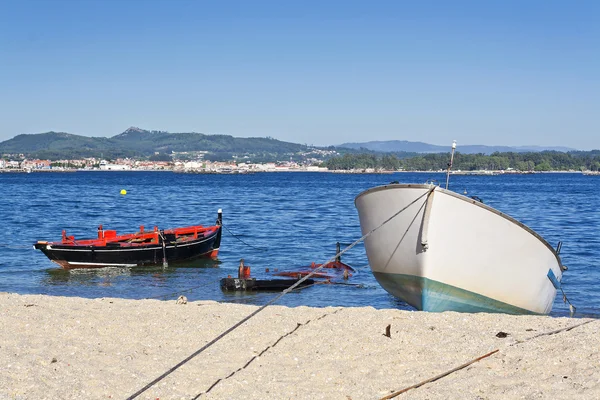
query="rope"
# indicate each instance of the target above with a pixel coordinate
(442, 375)
(164, 249)
(358, 285)
(435, 378)
(405, 233)
(256, 356)
(572, 308)
(273, 300)
(568, 328)
(307, 286)
(257, 298)
(247, 244)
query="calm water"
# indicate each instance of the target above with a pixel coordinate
(281, 220)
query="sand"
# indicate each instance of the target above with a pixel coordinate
(73, 348)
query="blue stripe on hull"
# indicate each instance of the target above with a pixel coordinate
(552, 277)
(429, 295)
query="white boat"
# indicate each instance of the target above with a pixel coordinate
(449, 252)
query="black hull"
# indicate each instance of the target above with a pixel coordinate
(251, 284)
(69, 256)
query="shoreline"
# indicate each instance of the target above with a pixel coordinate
(244, 172)
(69, 347)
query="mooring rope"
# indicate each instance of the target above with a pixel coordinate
(247, 244)
(256, 299)
(572, 308)
(405, 233)
(444, 374)
(164, 249)
(257, 356)
(274, 299)
(435, 378)
(566, 329)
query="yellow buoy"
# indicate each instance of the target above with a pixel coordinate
(123, 191)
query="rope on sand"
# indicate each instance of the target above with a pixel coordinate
(568, 328)
(298, 325)
(435, 378)
(273, 300)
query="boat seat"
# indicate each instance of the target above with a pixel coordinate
(170, 237)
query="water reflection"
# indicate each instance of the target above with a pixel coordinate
(107, 276)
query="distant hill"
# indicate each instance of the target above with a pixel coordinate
(136, 142)
(139, 142)
(30, 143)
(421, 147)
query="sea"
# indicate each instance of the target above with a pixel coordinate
(282, 220)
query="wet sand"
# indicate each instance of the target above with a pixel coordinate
(74, 348)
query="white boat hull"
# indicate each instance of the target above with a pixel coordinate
(447, 252)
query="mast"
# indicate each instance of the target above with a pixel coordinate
(450, 163)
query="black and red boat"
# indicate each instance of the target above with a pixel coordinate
(144, 248)
(330, 271)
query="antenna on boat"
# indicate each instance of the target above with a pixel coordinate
(450, 163)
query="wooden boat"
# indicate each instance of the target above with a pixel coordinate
(331, 270)
(230, 284)
(449, 252)
(144, 248)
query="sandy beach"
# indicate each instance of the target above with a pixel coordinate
(74, 348)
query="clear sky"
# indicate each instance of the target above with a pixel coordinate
(324, 72)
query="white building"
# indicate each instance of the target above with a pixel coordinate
(104, 165)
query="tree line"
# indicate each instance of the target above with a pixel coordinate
(531, 161)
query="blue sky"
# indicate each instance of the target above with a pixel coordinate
(323, 72)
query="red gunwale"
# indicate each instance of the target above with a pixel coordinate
(139, 239)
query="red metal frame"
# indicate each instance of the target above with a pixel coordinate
(141, 238)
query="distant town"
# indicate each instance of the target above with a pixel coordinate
(211, 167)
(137, 149)
(127, 164)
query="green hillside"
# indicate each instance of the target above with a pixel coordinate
(51, 141)
(152, 141)
(135, 142)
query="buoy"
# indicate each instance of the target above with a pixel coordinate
(123, 192)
